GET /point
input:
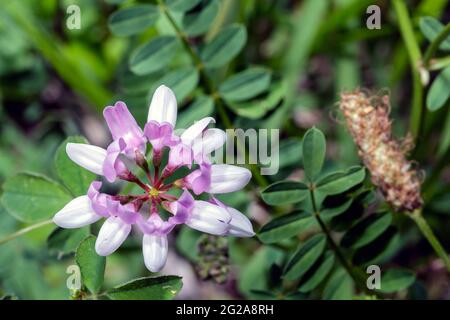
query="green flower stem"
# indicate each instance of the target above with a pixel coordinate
(359, 278)
(439, 63)
(211, 88)
(415, 58)
(429, 235)
(434, 46)
(25, 230)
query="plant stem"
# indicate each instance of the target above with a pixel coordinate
(23, 231)
(434, 46)
(210, 87)
(429, 235)
(414, 53)
(357, 276)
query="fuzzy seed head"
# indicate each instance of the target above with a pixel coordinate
(367, 118)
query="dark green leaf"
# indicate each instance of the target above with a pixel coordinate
(199, 20)
(305, 256)
(367, 230)
(154, 55)
(339, 182)
(245, 84)
(314, 147)
(431, 27)
(92, 266)
(396, 279)
(151, 288)
(132, 20)
(202, 106)
(286, 226)
(326, 264)
(74, 177)
(181, 5)
(439, 91)
(66, 240)
(328, 213)
(225, 46)
(32, 198)
(284, 192)
(182, 81)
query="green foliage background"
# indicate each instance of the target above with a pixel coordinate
(250, 64)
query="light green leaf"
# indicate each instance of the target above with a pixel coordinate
(245, 84)
(286, 226)
(367, 230)
(314, 147)
(326, 264)
(74, 177)
(198, 21)
(133, 20)
(202, 106)
(396, 279)
(284, 192)
(92, 266)
(182, 81)
(224, 47)
(151, 288)
(154, 55)
(32, 198)
(430, 28)
(328, 213)
(339, 182)
(181, 5)
(339, 286)
(439, 91)
(258, 108)
(66, 240)
(305, 256)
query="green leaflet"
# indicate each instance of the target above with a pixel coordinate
(32, 198)
(151, 288)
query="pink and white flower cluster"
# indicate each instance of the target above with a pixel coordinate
(122, 212)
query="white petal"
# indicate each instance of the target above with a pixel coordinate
(240, 225)
(194, 131)
(112, 234)
(87, 156)
(77, 213)
(211, 140)
(227, 178)
(209, 218)
(163, 107)
(155, 250)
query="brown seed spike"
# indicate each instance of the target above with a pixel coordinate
(367, 118)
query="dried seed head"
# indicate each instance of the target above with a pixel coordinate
(367, 118)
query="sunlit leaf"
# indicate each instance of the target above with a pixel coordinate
(31, 197)
(319, 274)
(92, 266)
(245, 84)
(339, 182)
(396, 279)
(439, 91)
(151, 288)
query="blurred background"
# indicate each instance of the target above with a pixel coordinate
(55, 82)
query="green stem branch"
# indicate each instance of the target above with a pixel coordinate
(23, 231)
(434, 46)
(356, 274)
(210, 87)
(429, 235)
(414, 53)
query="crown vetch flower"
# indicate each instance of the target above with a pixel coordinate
(122, 212)
(368, 121)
